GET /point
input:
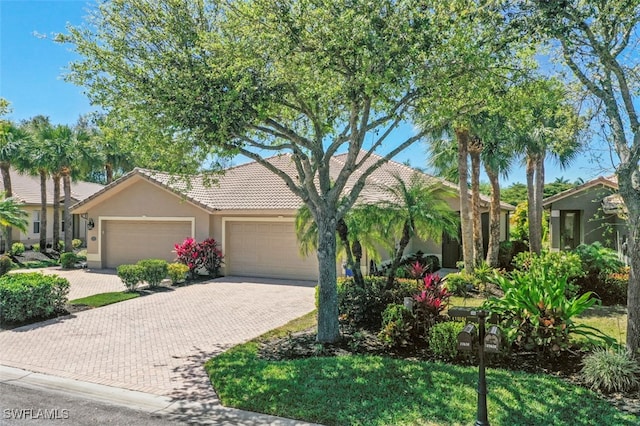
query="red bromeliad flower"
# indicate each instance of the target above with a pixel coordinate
(434, 298)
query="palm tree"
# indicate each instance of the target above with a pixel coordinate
(11, 139)
(412, 209)
(11, 214)
(37, 160)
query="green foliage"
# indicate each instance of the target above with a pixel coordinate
(11, 213)
(615, 288)
(68, 260)
(362, 307)
(397, 326)
(17, 249)
(35, 247)
(514, 194)
(6, 264)
(153, 271)
(561, 264)
(507, 251)
(443, 339)
(598, 260)
(131, 275)
(536, 312)
(177, 272)
(459, 283)
(60, 245)
(76, 243)
(611, 370)
(31, 295)
(520, 223)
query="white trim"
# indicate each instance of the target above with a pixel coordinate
(138, 219)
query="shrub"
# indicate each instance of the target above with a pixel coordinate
(35, 247)
(362, 307)
(397, 324)
(196, 255)
(614, 291)
(597, 259)
(68, 260)
(61, 245)
(443, 339)
(508, 250)
(459, 283)
(430, 301)
(177, 272)
(605, 275)
(561, 264)
(131, 275)
(153, 271)
(536, 311)
(31, 295)
(76, 243)
(5, 264)
(17, 249)
(610, 370)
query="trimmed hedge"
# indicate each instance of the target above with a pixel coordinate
(31, 295)
(153, 271)
(68, 260)
(6, 264)
(131, 275)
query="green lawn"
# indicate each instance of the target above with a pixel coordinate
(103, 299)
(372, 390)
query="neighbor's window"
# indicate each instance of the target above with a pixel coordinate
(36, 222)
(61, 221)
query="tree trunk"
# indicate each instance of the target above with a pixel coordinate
(531, 210)
(631, 197)
(56, 212)
(462, 136)
(539, 196)
(343, 233)
(68, 221)
(328, 327)
(494, 217)
(397, 258)
(475, 148)
(108, 168)
(43, 211)
(8, 192)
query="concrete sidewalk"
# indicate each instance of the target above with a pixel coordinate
(192, 412)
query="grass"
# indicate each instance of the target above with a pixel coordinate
(102, 299)
(31, 264)
(373, 390)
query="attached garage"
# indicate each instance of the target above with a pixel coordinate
(266, 249)
(127, 241)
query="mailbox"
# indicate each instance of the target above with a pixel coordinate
(493, 340)
(467, 337)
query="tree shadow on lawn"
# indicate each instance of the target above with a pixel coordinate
(604, 311)
(376, 390)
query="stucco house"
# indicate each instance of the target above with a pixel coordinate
(26, 190)
(585, 214)
(249, 210)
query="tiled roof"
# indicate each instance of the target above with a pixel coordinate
(26, 188)
(252, 186)
(608, 181)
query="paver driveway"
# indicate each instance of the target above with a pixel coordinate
(157, 343)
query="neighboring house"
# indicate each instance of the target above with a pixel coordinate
(585, 214)
(249, 210)
(26, 190)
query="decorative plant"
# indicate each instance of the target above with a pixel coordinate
(68, 260)
(76, 243)
(416, 270)
(443, 339)
(199, 255)
(536, 312)
(211, 256)
(131, 275)
(611, 370)
(397, 325)
(5, 264)
(177, 272)
(433, 299)
(17, 249)
(35, 247)
(153, 271)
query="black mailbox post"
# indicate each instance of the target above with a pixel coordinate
(490, 342)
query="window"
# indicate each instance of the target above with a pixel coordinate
(36, 221)
(570, 234)
(61, 221)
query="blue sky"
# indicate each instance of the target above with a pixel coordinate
(32, 65)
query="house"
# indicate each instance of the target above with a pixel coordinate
(585, 214)
(249, 210)
(26, 190)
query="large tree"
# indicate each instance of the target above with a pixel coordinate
(11, 140)
(262, 77)
(597, 40)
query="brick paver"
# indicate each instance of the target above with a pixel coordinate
(155, 343)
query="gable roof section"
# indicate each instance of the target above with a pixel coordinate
(252, 186)
(26, 188)
(607, 182)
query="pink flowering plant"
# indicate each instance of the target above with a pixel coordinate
(416, 270)
(206, 254)
(431, 301)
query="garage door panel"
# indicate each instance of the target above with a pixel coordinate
(266, 249)
(130, 241)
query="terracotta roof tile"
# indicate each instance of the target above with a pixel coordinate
(26, 188)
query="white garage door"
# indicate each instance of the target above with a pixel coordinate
(127, 242)
(266, 249)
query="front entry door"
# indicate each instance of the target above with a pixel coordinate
(569, 229)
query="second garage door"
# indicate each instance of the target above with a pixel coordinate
(266, 249)
(130, 241)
